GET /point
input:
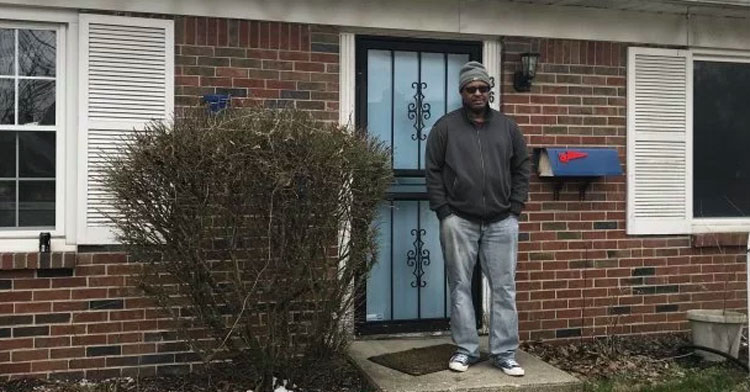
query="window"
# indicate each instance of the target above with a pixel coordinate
(688, 132)
(28, 127)
(721, 138)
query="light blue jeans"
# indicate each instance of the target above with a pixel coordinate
(496, 244)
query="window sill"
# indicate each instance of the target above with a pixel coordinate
(36, 260)
(718, 226)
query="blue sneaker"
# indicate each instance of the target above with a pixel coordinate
(508, 366)
(460, 362)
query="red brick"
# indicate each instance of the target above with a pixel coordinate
(48, 366)
(187, 80)
(273, 37)
(108, 258)
(106, 281)
(15, 296)
(87, 363)
(15, 368)
(104, 328)
(13, 344)
(254, 34)
(284, 31)
(55, 341)
(258, 93)
(51, 295)
(264, 35)
(29, 355)
(68, 282)
(33, 307)
(89, 340)
(189, 30)
(36, 283)
(223, 31)
(74, 352)
(211, 31)
(304, 38)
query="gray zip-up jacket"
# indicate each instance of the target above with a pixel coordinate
(479, 172)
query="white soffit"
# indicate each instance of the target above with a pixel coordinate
(725, 8)
(662, 22)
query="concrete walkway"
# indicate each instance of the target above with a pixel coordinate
(482, 377)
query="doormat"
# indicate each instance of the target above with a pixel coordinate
(420, 361)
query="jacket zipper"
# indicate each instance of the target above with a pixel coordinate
(484, 177)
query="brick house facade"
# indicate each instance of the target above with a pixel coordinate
(76, 313)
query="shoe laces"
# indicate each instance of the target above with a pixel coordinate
(510, 363)
(458, 357)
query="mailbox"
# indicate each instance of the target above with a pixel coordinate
(579, 164)
(216, 102)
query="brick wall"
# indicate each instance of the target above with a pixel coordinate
(258, 63)
(579, 274)
(78, 314)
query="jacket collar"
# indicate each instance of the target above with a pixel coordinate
(488, 114)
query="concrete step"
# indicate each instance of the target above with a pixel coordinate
(482, 377)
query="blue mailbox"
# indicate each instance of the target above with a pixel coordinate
(216, 102)
(580, 164)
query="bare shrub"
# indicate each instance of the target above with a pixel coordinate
(254, 228)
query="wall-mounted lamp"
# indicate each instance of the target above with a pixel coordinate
(522, 79)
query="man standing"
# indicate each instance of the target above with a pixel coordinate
(478, 180)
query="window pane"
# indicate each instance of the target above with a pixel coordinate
(7, 203)
(36, 203)
(7, 154)
(36, 52)
(7, 97)
(36, 154)
(7, 51)
(721, 138)
(36, 102)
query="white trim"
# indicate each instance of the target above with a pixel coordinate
(103, 234)
(695, 225)
(657, 225)
(491, 58)
(12, 245)
(347, 80)
(12, 239)
(722, 55)
(713, 225)
(491, 52)
(83, 118)
(22, 12)
(720, 225)
(453, 16)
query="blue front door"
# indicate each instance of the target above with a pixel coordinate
(403, 88)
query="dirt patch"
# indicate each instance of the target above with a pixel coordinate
(646, 358)
(333, 375)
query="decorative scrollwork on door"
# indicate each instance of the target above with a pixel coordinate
(418, 111)
(418, 258)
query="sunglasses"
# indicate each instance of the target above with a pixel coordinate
(472, 90)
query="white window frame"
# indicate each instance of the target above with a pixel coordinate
(66, 93)
(716, 225)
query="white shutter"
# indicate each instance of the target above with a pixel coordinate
(659, 141)
(126, 79)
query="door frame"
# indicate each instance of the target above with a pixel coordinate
(364, 43)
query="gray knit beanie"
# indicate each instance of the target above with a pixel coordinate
(471, 71)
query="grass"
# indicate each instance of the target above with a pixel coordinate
(714, 379)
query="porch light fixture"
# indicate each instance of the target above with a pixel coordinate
(522, 79)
